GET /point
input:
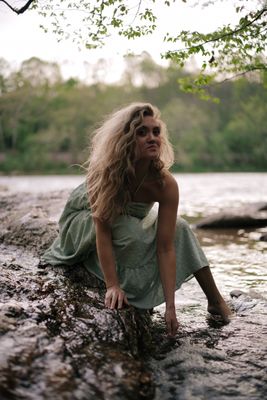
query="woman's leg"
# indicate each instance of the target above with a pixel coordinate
(216, 303)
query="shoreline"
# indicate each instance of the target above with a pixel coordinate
(58, 340)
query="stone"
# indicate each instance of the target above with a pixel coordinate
(250, 216)
(263, 237)
(57, 338)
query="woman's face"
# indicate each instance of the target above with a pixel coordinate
(148, 139)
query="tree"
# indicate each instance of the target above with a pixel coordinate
(227, 51)
(142, 70)
(39, 72)
(46, 126)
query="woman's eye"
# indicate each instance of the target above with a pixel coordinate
(141, 132)
(156, 132)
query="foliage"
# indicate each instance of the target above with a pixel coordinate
(227, 51)
(45, 122)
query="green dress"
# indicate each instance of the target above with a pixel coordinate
(134, 244)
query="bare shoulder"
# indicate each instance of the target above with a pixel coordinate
(170, 190)
(159, 190)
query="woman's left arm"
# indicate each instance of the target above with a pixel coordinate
(168, 206)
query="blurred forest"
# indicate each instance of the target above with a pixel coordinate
(46, 121)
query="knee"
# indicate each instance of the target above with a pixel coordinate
(183, 228)
(182, 224)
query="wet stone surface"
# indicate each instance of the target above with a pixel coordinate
(57, 341)
(212, 361)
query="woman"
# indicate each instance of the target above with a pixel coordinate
(108, 223)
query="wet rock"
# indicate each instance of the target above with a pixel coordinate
(262, 207)
(263, 237)
(236, 293)
(26, 220)
(243, 302)
(32, 230)
(58, 340)
(250, 216)
(215, 361)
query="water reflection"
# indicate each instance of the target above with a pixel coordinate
(209, 193)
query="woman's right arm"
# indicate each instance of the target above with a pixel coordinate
(115, 297)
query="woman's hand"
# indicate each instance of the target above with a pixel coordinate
(171, 321)
(115, 297)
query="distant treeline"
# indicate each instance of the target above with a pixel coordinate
(46, 122)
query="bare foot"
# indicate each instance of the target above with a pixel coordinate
(222, 309)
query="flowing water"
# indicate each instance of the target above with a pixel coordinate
(208, 360)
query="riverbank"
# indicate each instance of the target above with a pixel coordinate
(75, 169)
(58, 341)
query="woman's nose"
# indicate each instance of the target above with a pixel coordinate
(150, 136)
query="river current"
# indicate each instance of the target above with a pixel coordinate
(208, 360)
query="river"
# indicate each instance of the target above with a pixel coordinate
(208, 360)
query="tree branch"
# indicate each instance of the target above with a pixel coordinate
(252, 69)
(233, 32)
(18, 10)
(137, 12)
(238, 29)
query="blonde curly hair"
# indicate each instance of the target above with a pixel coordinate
(112, 156)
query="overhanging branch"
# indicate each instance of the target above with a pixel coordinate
(18, 10)
(220, 37)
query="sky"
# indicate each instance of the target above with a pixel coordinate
(22, 38)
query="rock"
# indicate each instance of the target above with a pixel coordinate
(58, 340)
(61, 341)
(263, 207)
(251, 216)
(223, 220)
(243, 302)
(263, 237)
(26, 220)
(236, 293)
(32, 230)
